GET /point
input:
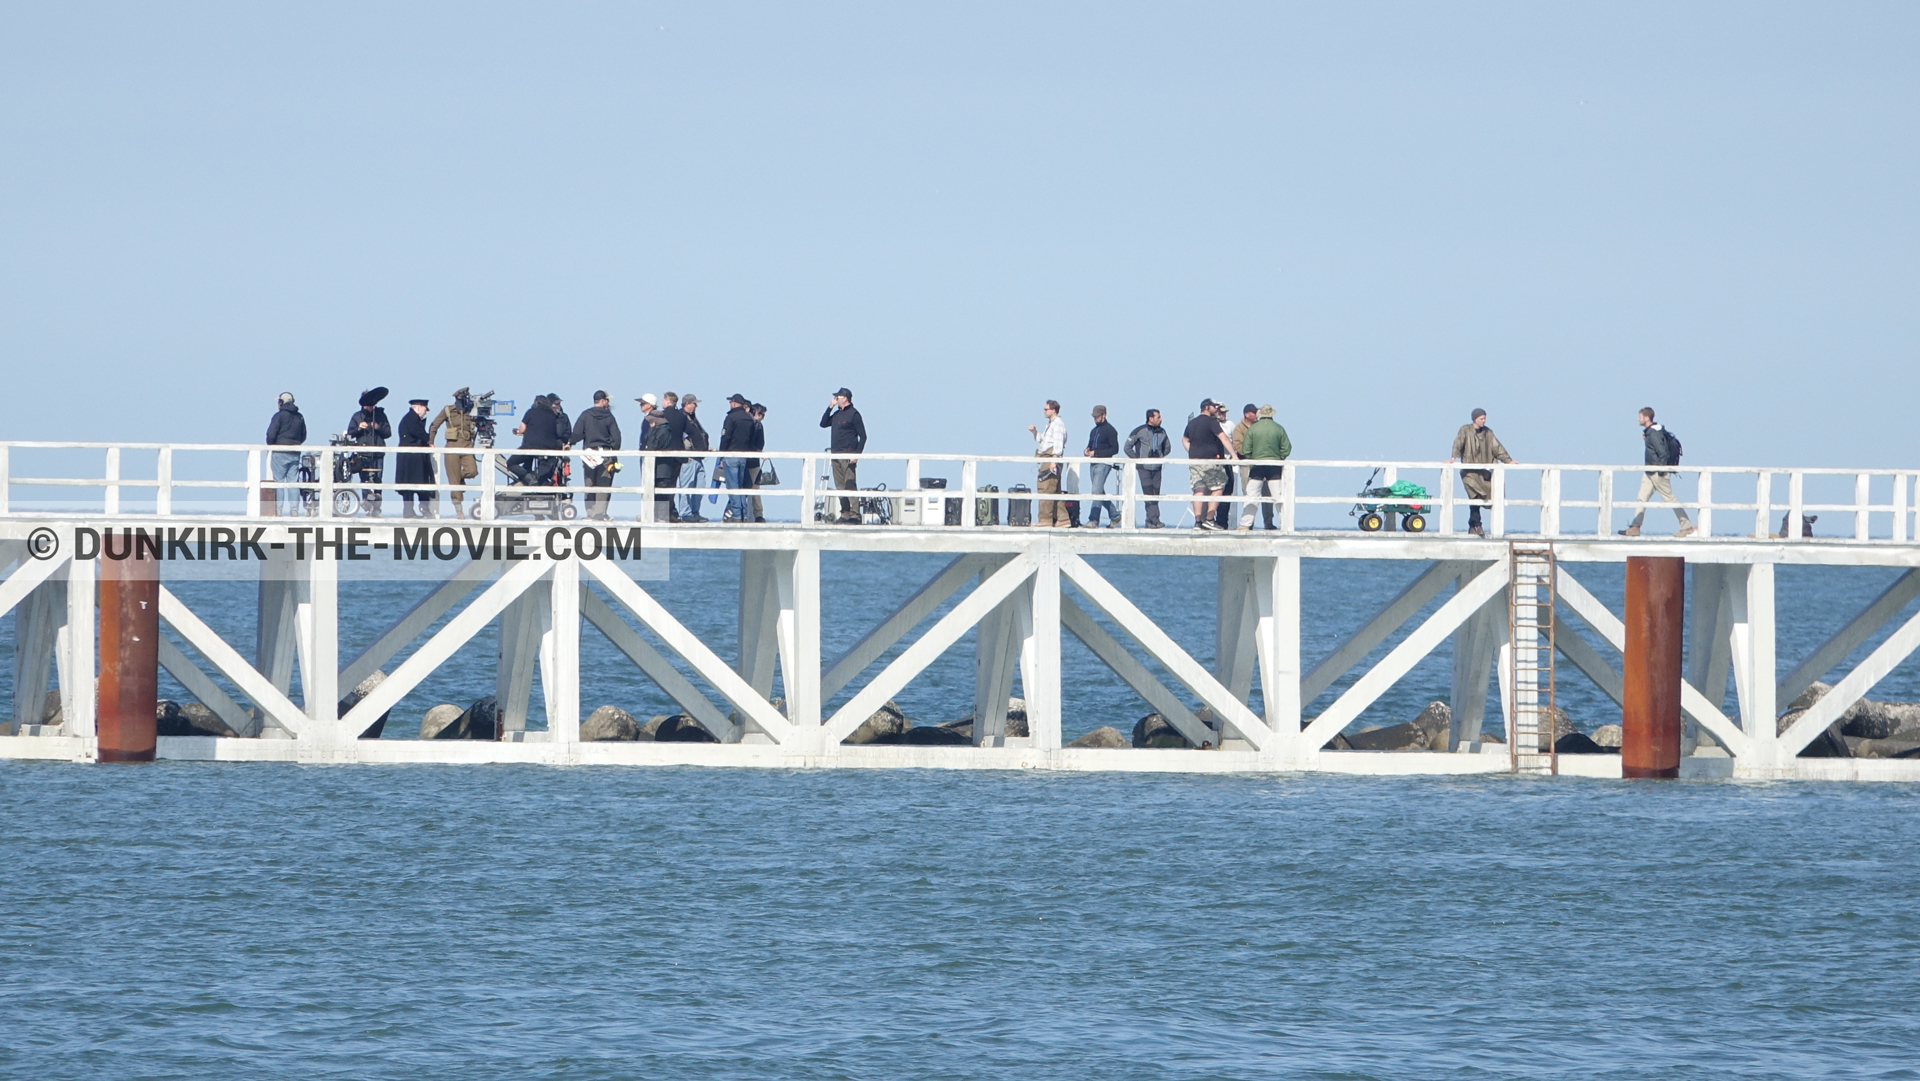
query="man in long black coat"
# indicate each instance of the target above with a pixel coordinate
(368, 427)
(415, 468)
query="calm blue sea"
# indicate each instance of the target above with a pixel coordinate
(240, 921)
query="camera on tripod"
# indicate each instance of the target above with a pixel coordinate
(485, 409)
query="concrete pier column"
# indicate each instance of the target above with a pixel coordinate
(129, 658)
(1650, 699)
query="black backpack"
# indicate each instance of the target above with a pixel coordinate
(1673, 446)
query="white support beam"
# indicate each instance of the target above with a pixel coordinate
(1710, 635)
(897, 625)
(560, 653)
(1235, 625)
(759, 621)
(37, 624)
(1755, 665)
(1694, 704)
(1136, 675)
(26, 578)
(938, 638)
(1476, 644)
(1040, 676)
(797, 584)
(1401, 659)
(1590, 663)
(705, 663)
(1390, 618)
(205, 690)
(1851, 689)
(1000, 641)
(522, 624)
(436, 650)
(319, 640)
(423, 615)
(228, 662)
(275, 636)
(1276, 588)
(1235, 717)
(1861, 627)
(74, 650)
(657, 668)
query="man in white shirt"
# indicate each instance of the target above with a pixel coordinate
(1050, 443)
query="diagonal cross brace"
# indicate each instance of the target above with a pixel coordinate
(895, 627)
(1391, 617)
(657, 667)
(1232, 712)
(25, 579)
(1847, 639)
(1401, 659)
(938, 639)
(1851, 689)
(229, 663)
(1588, 607)
(691, 649)
(1125, 665)
(438, 602)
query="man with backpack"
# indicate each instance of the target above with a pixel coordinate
(1663, 448)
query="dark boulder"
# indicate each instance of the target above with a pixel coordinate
(361, 690)
(1395, 737)
(478, 721)
(168, 721)
(681, 728)
(437, 719)
(204, 722)
(1608, 736)
(609, 723)
(887, 721)
(1902, 747)
(1154, 731)
(1016, 721)
(1580, 743)
(1104, 736)
(928, 736)
(1881, 720)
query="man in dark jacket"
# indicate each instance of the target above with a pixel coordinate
(667, 432)
(1102, 442)
(736, 438)
(849, 437)
(368, 427)
(1150, 441)
(414, 468)
(757, 445)
(287, 429)
(693, 470)
(599, 431)
(1662, 449)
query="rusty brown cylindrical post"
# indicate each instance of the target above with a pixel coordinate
(1650, 706)
(129, 685)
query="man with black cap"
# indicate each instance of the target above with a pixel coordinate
(599, 431)
(414, 468)
(1207, 443)
(368, 427)
(461, 430)
(736, 439)
(666, 431)
(692, 470)
(287, 429)
(1476, 444)
(545, 427)
(849, 437)
(757, 445)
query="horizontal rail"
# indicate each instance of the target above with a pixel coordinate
(1753, 500)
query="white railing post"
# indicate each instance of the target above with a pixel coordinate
(1606, 503)
(809, 487)
(970, 489)
(1444, 492)
(1127, 488)
(325, 509)
(1705, 494)
(1862, 493)
(487, 484)
(5, 476)
(1289, 479)
(1899, 506)
(113, 480)
(1795, 501)
(645, 516)
(1763, 505)
(163, 483)
(253, 484)
(1550, 502)
(1498, 525)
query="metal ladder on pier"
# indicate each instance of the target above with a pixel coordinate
(1530, 631)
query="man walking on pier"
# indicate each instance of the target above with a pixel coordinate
(461, 468)
(1150, 441)
(368, 427)
(1476, 444)
(598, 431)
(1206, 443)
(287, 429)
(1051, 443)
(1102, 442)
(1662, 449)
(849, 437)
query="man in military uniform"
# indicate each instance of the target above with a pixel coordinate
(461, 468)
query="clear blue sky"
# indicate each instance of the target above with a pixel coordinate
(1374, 216)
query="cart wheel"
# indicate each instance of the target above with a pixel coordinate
(1414, 523)
(1371, 522)
(568, 512)
(345, 504)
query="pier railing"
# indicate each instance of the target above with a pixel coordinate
(200, 479)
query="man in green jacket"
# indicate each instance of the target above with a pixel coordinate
(1266, 445)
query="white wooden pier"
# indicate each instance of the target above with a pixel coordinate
(762, 695)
